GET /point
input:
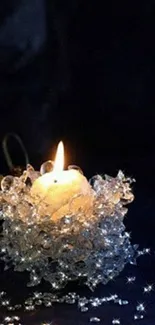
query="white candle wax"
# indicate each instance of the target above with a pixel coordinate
(62, 191)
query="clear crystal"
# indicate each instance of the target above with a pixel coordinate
(94, 319)
(77, 247)
(116, 321)
(138, 316)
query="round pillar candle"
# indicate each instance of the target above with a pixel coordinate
(62, 192)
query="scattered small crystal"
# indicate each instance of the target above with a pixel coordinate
(82, 302)
(148, 288)
(84, 309)
(138, 316)
(38, 302)
(113, 297)
(95, 302)
(7, 319)
(10, 308)
(18, 306)
(140, 307)
(16, 318)
(5, 302)
(116, 321)
(144, 251)
(29, 308)
(48, 304)
(131, 279)
(123, 302)
(37, 295)
(94, 319)
(29, 302)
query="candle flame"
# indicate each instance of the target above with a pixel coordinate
(59, 159)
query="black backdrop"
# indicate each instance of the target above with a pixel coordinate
(90, 83)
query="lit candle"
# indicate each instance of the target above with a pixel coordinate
(62, 192)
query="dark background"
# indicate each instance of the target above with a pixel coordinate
(83, 72)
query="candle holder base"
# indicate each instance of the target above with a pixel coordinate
(93, 249)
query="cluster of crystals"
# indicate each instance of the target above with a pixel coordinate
(75, 247)
(11, 320)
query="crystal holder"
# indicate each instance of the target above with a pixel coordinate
(92, 250)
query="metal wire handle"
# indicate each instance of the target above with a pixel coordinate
(6, 151)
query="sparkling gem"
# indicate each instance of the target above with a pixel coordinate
(29, 308)
(131, 279)
(148, 288)
(16, 318)
(138, 316)
(10, 308)
(82, 302)
(48, 304)
(7, 319)
(116, 321)
(95, 302)
(84, 309)
(94, 319)
(5, 302)
(18, 306)
(140, 307)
